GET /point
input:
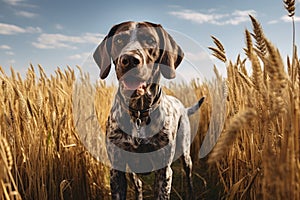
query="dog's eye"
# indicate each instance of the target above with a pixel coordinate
(147, 39)
(119, 41)
(150, 40)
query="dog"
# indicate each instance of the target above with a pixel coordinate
(144, 120)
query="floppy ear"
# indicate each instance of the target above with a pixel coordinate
(171, 54)
(102, 57)
(102, 54)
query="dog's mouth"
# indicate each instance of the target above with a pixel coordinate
(131, 84)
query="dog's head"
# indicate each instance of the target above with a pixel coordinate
(140, 51)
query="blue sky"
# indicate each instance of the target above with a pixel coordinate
(60, 33)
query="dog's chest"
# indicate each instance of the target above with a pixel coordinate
(161, 131)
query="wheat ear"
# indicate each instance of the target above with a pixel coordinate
(218, 52)
(259, 36)
(6, 154)
(290, 7)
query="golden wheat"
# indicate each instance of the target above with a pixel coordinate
(265, 152)
(259, 36)
(218, 52)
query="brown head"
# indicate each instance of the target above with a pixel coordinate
(140, 51)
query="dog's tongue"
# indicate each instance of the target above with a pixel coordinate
(134, 84)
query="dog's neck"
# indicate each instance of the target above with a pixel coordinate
(142, 108)
(144, 104)
(140, 113)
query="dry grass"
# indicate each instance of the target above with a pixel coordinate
(256, 157)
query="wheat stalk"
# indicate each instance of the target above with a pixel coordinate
(275, 67)
(257, 71)
(290, 7)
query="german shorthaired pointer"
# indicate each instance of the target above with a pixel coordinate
(143, 119)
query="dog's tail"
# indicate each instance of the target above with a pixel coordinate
(191, 110)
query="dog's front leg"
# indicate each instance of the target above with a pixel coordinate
(138, 185)
(118, 184)
(163, 183)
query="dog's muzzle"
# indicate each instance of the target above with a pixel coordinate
(131, 63)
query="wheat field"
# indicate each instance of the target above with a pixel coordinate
(256, 157)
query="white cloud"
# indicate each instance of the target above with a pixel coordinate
(197, 56)
(58, 26)
(273, 22)
(239, 16)
(9, 53)
(19, 3)
(75, 57)
(5, 47)
(53, 41)
(94, 38)
(196, 16)
(13, 2)
(81, 56)
(11, 29)
(11, 62)
(25, 14)
(286, 18)
(235, 18)
(31, 29)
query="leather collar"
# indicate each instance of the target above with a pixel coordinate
(139, 115)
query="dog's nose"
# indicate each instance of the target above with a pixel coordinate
(130, 60)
